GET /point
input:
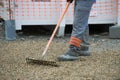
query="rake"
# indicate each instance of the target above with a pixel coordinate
(42, 61)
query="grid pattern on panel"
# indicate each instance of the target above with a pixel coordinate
(50, 9)
(119, 12)
(37, 9)
(106, 8)
(7, 9)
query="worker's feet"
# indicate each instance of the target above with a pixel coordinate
(84, 50)
(74, 53)
(69, 56)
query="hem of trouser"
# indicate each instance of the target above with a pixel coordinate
(75, 41)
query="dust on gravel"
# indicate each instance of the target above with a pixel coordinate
(103, 64)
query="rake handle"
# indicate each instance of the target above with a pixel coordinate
(55, 30)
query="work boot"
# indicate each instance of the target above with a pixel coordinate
(84, 50)
(71, 55)
(74, 53)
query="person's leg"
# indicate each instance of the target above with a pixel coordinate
(80, 25)
(84, 47)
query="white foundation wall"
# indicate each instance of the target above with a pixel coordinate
(119, 12)
(47, 12)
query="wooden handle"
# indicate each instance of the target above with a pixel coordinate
(55, 30)
(10, 10)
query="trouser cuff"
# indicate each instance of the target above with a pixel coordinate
(75, 41)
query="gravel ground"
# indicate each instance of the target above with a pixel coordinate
(103, 64)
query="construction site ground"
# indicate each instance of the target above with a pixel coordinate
(103, 64)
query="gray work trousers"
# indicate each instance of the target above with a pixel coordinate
(81, 14)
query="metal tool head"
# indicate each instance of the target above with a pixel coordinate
(41, 62)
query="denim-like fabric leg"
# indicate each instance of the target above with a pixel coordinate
(81, 15)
